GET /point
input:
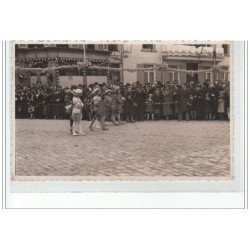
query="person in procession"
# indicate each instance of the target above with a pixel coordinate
(77, 113)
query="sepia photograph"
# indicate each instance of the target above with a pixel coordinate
(134, 110)
(124, 125)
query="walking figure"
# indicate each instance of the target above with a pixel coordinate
(77, 113)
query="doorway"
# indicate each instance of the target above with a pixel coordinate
(190, 77)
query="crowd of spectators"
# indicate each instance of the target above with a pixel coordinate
(139, 101)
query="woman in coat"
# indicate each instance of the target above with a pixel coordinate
(140, 98)
(182, 100)
(221, 105)
(207, 107)
(157, 99)
(167, 103)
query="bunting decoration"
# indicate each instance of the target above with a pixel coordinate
(108, 73)
(84, 77)
(61, 60)
(83, 65)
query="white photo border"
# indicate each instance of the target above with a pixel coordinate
(236, 185)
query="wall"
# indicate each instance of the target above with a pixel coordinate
(67, 81)
(33, 79)
(138, 57)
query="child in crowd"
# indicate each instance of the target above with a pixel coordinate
(221, 105)
(157, 104)
(31, 110)
(208, 108)
(95, 101)
(119, 105)
(149, 109)
(191, 102)
(77, 113)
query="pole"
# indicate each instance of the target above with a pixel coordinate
(84, 78)
(84, 53)
(162, 80)
(214, 62)
(199, 56)
(122, 59)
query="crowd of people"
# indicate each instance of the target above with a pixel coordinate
(124, 102)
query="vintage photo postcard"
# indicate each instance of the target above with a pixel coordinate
(122, 111)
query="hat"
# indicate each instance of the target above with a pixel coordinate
(107, 91)
(116, 88)
(94, 91)
(73, 87)
(77, 91)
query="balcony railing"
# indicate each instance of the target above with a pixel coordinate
(186, 50)
(89, 47)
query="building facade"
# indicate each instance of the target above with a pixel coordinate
(48, 57)
(182, 57)
(167, 62)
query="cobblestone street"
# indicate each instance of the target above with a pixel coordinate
(162, 148)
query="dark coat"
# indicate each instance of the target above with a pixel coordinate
(207, 104)
(183, 96)
(158, 100)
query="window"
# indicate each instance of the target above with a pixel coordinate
(225, 75)
(22, 46)
(127, 48)
(173, 75)
(101, 47)
(94, 72)
(76, 46)
(113, 47)
(90, 47)
(226, 49)
(208, 75)
(62, 46)
(148, 47)
(114, 65)
(49, 45)
(35, 46)
(149, 76)
(199, 45)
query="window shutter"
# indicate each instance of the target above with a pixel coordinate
(158, 74)
(221, 76)
(145, 77)
(73, 45)
(127, 48)
(98, 47)
(182, 74)
(105, 47)
(140, 74)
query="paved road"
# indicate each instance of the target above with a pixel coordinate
(162, 148)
